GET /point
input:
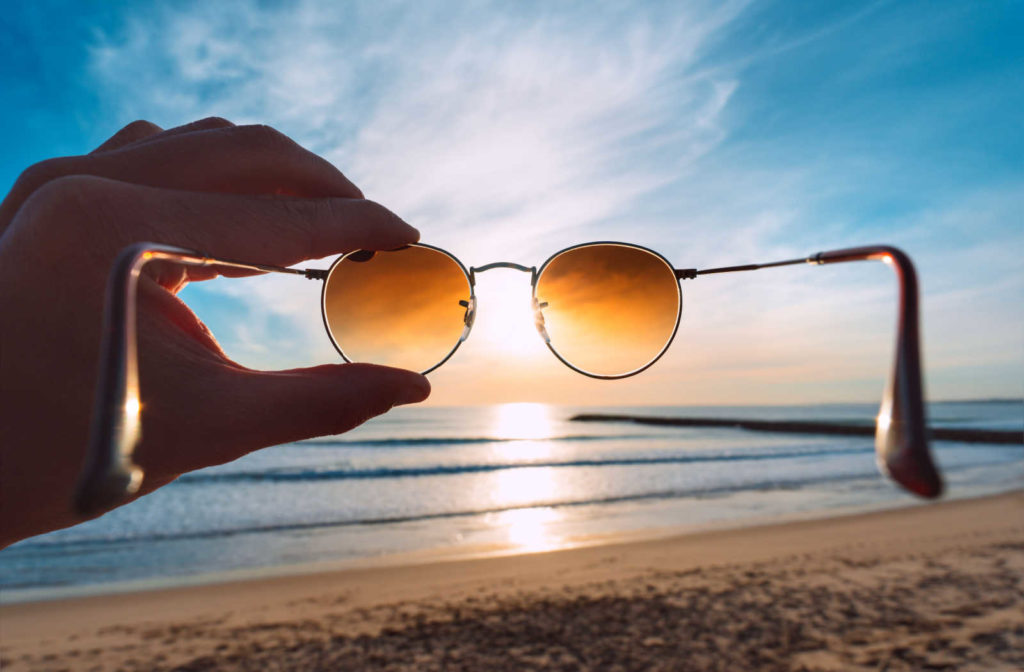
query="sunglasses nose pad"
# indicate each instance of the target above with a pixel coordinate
(469, 317)
(538, 319)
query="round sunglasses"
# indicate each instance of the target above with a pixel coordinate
(605, 309)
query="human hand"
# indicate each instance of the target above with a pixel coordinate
(238, 192)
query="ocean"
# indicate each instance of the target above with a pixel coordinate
(447, 482)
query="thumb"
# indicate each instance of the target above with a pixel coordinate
(283, 406)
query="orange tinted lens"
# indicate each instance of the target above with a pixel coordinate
(399, 308)
(611, 309)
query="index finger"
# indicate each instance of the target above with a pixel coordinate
(271, 230)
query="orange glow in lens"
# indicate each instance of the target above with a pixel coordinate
(398, 308)
(611, 309)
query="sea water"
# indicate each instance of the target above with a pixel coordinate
(501, 479)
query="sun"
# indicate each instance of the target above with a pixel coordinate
(522, 421)
(505, 320)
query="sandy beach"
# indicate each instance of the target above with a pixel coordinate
(935, 587)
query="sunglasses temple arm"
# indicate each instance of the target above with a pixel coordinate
(110, 475)
(901, 440)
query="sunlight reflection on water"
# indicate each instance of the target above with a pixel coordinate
(527, 529)
(531, 529)
(523, 421)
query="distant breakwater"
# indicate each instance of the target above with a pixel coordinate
(800, 427)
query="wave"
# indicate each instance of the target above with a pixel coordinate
(456, 440)
(341, 474)
(44, 544)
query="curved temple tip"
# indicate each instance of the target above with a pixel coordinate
(113, 478)
(110, 490)
(904, 456)
(110, 477)
(901, 437)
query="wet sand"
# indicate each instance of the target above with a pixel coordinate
(936, 587)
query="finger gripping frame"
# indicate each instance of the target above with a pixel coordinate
(110, 476)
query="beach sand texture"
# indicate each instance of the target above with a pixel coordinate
(935, 587)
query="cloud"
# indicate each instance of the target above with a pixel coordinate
(486, 118)
(497, 132)
(507, 131)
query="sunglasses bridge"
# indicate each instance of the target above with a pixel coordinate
(473, 270)
(470, 306)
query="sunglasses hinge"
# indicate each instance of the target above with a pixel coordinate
(686, 273)
(315, 274)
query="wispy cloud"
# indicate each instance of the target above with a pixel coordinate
(496, 132)
(488, 119)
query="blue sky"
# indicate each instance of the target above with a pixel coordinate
(716, 133)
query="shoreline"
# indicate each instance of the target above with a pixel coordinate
(232, 624)
(469, 552)
(18, 596)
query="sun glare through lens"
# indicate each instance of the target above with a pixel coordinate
(399, 308)
(611, 309)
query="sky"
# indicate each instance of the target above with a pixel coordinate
(716, 133)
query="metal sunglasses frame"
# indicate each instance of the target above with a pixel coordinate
(536, 273)
(110, 476)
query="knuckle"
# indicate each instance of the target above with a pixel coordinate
(39, 174)
(87, 217)
(263, 137)
(58, 212)
(213, 121)
(140, 126)
(63, 191)
(70, 199)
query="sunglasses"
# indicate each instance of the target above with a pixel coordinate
(605, 309)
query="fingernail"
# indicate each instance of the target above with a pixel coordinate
(356, 189)
(348, 185)
(416, 391)
(413, 233)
